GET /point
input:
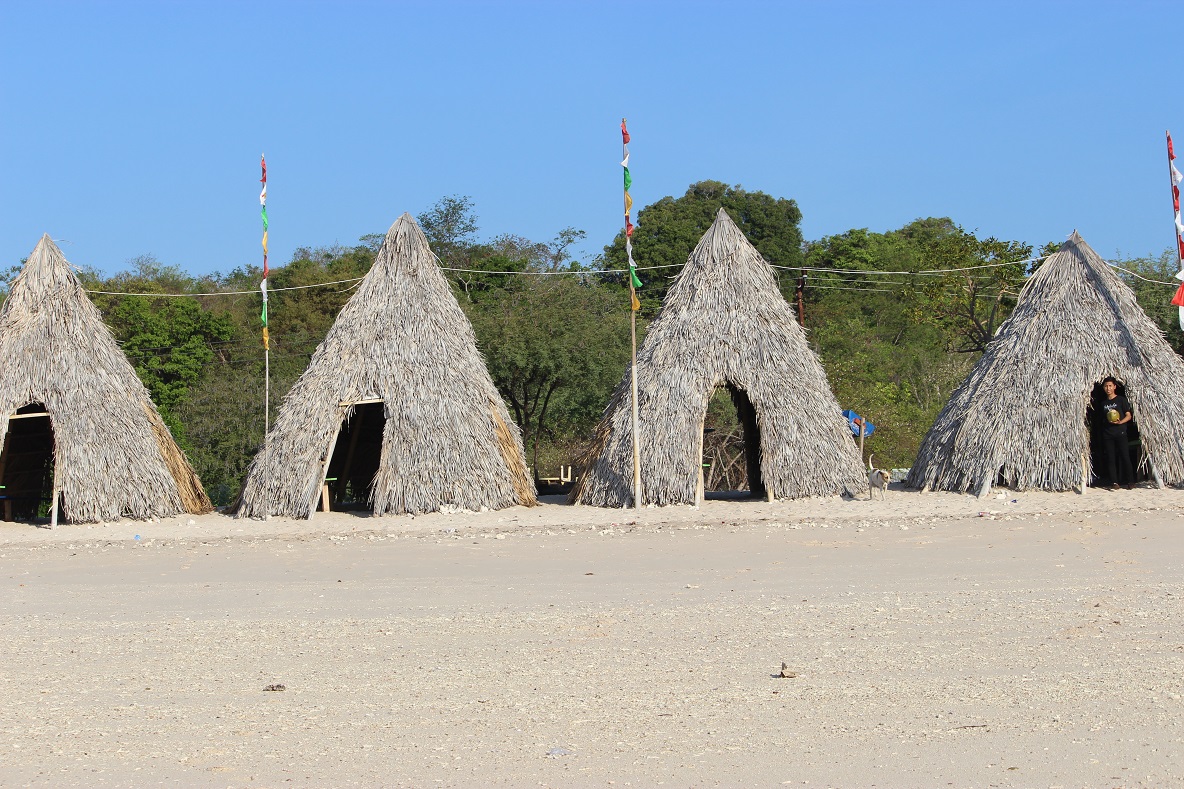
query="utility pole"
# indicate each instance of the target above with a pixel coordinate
(800, 290)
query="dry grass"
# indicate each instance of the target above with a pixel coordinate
(724, 322)
(113, 454)
(1019, 418)
(401, 338)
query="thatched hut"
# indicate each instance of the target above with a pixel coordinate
(74, 417)
(1020, 418)
(723, 323)
(396, 410)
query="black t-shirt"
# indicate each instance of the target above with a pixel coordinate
(1118, 404)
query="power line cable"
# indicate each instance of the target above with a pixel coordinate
(817, 269)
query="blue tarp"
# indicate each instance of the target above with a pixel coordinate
(853, 422)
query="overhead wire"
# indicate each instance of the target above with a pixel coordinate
(564, 272)
(849, 285)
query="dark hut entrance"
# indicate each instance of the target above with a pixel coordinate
(731, 455)
(356, 456)
(26, 464)
(1093, 420)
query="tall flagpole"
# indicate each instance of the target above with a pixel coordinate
(263, 290)
(635, 305)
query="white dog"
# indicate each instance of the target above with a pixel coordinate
(877, 478)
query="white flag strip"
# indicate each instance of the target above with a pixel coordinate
(263, 196)
(1179, 224)
(629, 250)
(263, 288)
(1177, 176)
(625, 163)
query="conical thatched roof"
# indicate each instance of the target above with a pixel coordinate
(723, 322)
(114, 456)
(1019, 417)
(401, 338)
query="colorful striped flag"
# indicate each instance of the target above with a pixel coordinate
(263, 284)
(628, 209)
(1174, 175)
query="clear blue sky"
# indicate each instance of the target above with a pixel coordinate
(133, 128)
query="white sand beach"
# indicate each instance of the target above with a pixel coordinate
(1023, 640)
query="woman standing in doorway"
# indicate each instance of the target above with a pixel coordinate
(1115, 413)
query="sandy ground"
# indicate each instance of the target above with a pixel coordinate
(1031, 640)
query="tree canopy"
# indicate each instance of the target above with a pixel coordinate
(667, 231)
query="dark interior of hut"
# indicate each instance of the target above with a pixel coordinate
(731, 446)
(26, 464)
(356, 456)
(1101, 473)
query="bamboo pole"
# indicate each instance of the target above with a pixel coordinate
(325, 473)
(53, 508)
(1155, 474)
(699, 494)
(633, 388)
(637, 498)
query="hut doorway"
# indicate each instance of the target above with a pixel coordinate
(356, 456)
(1093, 421)
(731, 446)
(27, 464)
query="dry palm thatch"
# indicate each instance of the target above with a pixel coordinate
(1019, 418)
(401, 339)
(113, 455)
(724, 322)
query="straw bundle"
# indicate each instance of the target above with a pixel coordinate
(114, 457)
(723, 322)
(1019, 418)
(401, 338)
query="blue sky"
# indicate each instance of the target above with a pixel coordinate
(133, 128)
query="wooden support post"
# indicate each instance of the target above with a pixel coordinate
(1155, 474)
(1084, 474)
(3, 466)
(325, 473)
(57, 478)
(53, 508)
(985, 488)
(699, 481)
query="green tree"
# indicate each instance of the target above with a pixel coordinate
(669, 229)
(973, 287)
(451, 228)
(169, 340)
(555, 347)
(1153, 279)
(880, 361)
